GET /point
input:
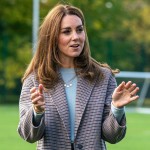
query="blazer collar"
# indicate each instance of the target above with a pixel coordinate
(83, 93)
(59, 99)
(84, 90)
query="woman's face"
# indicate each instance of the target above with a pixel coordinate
(71, 38)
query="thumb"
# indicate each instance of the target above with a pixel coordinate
(40, 89)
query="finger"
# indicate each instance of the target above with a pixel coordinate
(40, 89)
(128, 84)
(39, 104)
(39, 98)
(39, 108)
(120, 86)
(134, 92)
(132, 87)
(35, 100)
(43, 106)
(133, 98)
(32, 90)
(34, 95)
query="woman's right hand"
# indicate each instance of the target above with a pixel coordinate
(37, 99)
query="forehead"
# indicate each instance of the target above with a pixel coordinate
(70, 20)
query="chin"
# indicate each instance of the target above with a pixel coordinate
(76, 55)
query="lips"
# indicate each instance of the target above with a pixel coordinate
(75, 45)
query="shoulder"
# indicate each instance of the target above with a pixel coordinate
(107, 76)
(106, 72)
(108, 79)
(103, 68)
(30, 80)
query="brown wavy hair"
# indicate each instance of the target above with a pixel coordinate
(45, 61)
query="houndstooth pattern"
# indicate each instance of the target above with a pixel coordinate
(94, 121)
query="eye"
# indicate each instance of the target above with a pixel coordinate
(66, 32)
(80, 29)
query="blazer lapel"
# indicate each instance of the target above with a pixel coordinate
(84, 89)
(59, 99)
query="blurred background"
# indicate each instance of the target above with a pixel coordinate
(119, 34)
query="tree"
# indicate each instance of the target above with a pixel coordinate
(118, 33)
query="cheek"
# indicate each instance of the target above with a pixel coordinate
(83, 37)
(62, 41)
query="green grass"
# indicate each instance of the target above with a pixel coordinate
(137, 137)
(138, 133)
(9, 138)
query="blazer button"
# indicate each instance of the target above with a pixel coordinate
(80, 146)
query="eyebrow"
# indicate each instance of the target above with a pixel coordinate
(69, 27)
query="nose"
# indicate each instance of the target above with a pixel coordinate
(75, 35)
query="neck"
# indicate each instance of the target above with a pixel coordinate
(67, 66)
(67, 62)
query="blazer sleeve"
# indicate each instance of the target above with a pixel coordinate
(26, 128)
(112, 132)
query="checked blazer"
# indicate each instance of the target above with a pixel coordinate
(94, 121)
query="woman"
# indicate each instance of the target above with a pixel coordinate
(68, 100)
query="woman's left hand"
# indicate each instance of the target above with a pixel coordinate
(124, 94)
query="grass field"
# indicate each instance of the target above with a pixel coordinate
(137, 137)
(9, 138)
